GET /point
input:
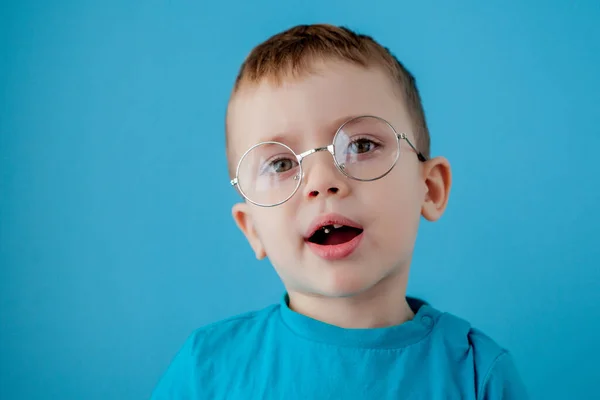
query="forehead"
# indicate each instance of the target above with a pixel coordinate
(306, 111)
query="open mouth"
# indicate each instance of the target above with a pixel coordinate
(334, 234)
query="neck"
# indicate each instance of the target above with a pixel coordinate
(383, 304)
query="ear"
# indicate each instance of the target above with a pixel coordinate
(243, 219)
(438, 180)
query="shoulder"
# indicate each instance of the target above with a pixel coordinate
(232, 329)
(496, 374)
(460, 333)
(193, 362)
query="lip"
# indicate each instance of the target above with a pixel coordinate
(330, 219)
(338, 251)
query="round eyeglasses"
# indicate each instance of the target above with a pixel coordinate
(364, 148)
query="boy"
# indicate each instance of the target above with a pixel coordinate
(328, 145)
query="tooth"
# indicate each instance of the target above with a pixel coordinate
(326, 230)
(336, 226)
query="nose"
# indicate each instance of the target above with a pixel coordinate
(323, 179)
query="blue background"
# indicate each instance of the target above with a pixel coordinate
(116, 239)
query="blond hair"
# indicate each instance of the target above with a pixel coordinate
(292, 53)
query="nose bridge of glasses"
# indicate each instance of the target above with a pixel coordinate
(327, 161)
(307, 153)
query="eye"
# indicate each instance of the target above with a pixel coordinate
(362, 145)
(280, 165)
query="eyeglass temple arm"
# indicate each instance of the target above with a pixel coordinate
(420, 155)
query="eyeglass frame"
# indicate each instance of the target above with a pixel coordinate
(331, 149)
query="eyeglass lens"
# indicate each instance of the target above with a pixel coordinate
(365, 148)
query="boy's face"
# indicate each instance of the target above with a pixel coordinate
(305, 114)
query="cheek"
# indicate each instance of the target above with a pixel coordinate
(396, 208)
(277, 233)
(396, 194)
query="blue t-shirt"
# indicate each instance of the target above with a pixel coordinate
(276, 353)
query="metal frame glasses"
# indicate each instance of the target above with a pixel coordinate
(299, 176)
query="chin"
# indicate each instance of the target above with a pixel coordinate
(345, 285)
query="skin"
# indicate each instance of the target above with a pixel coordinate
(368, 288)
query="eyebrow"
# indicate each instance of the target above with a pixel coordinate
(281, 137)
(338, 122)
(287, 137)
